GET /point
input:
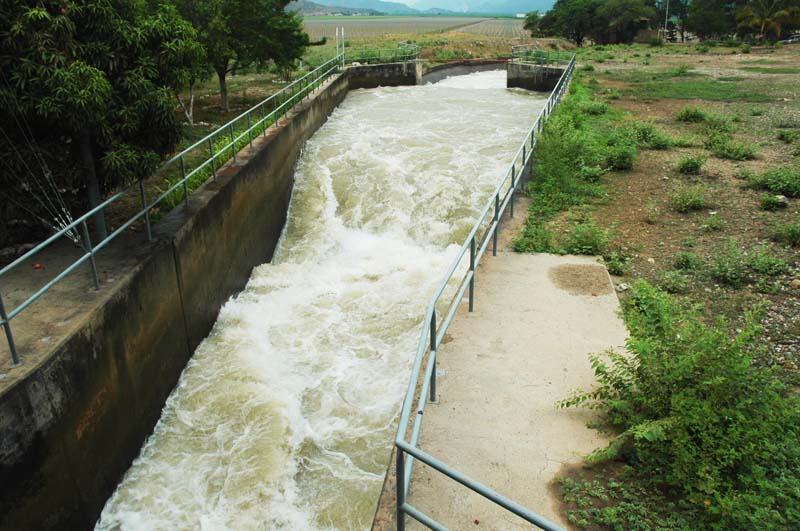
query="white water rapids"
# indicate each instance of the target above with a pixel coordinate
(285, 416)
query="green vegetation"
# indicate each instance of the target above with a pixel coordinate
(576, 132)
(770, 202)
(724, 146)
(783, 180)
(770, 70)
(733, 266)
(691, 165)
(688, 199)
(691, 115)
(788, 136)
(787, 233)
(685, 386)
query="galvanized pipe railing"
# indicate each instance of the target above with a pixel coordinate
(484, 232)
(195, 164)
(384, 55)
(532, 54)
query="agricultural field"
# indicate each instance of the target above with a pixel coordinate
(496, 27)
(360, 27)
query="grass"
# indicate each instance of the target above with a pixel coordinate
(787, 233)
(705, 89)
(770, 70)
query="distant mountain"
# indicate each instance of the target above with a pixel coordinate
(390, 8)
(512, 7)
(304, 7)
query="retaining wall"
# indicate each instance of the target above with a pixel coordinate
(533, 77)
(71, 428)
(460, 68)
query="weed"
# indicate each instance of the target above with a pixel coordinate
(728, 264)
(648, 136)
(688, 199)
(771, 202)
(587, 238)
(691, 115)
(684, 141)
(586, 68)
(762, 262)
(788, 136)
(746, 48)
(701, 420)
(787, 233)
(688, 261)
(620, 155)
(755, 111)
(674, 282)
(713, 223)
(652, 212)
(617, 263)
(593, 107)
(724, 146)
(691, 165)
(783, 180)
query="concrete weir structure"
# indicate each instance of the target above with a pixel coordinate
(533, 77)
(73, 417)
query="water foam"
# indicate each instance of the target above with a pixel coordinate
(285, 416)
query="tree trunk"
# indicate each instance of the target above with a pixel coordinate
(188, 111)
(223, 86)
(92, 184)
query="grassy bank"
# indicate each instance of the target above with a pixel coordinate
(680, 166)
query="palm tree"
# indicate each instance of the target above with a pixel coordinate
(767, 18)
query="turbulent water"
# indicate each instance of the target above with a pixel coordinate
(285, 416)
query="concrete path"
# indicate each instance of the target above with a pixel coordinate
(526, 346)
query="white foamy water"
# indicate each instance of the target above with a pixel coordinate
(285, 416)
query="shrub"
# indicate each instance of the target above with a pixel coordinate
(718, 123)
(787, 233)
(729, 264)
(651, 212)
(691, 115)
(784, 180)
(621, 155)
(702, 48)
(587, 238)
(787, 136)
(770, 202)
(648, 136)
(656, 42)
(755, 111)
(593, 107)
(688, 261)
(674, 282)
(713, 223)
(683, 141)
(745, 48)
(688, 199)
(700, 419)
(762, 262)
(691, 165)
(724, 146)
(616, 263)
(586, 68)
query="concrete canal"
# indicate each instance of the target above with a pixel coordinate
(285, 416)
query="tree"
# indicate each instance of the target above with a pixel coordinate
(711, 18)
(532, 21)
(87, 91)
(621, 20)
(573, 19)
(238, 33)
(767, 19)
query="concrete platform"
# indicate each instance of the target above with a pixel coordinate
(526, 346)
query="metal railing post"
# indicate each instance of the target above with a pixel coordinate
(233, 143)
(250, 130)
(91, 255)
(400, 486)
(432, 396)
(514, 182)
(213, 159)
(496, 219)
(12, 346)
(183, 179)
(146, 210)
(472, 278)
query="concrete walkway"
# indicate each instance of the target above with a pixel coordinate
(526, 346)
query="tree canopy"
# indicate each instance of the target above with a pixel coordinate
(238, 33)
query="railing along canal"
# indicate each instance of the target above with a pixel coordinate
(193, 166)
(434, 329)
(532, 54)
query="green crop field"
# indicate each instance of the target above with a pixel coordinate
(360, 27)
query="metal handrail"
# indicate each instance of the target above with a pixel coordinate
(380, 55)
(532, 54)
(214, 152)
(433, 331)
